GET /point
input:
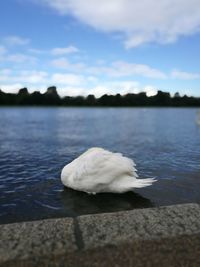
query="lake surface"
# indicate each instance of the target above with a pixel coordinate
(35, 144)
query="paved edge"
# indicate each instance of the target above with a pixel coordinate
(164, 236)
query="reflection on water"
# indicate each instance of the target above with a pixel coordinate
(82, 203)
(35, 144)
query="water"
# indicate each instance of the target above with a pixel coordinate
(35, 144)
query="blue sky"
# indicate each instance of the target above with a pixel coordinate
(97, 47)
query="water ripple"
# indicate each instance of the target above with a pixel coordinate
(36, 143)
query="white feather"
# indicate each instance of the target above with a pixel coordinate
(99, 170)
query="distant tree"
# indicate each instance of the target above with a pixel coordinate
(7, 98)
(23, 91)
(177, 100)
(90, 100)
(2, 98)
(130, 100)
(103, 100)
(67, 101)
(52, 90)
(37, 99)
(118, 100)
(22, 97)
(51, 96)
(177, 95)
(161, 99)
(141, 99)
(78, 101)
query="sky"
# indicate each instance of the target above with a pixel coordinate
(100, 47)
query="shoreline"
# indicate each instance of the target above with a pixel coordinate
(101, 107)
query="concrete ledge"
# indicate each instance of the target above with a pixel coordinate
(165, 236)
(21, 241)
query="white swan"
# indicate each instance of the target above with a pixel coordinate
(98, 170)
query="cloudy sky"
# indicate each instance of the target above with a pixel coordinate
(98, 47)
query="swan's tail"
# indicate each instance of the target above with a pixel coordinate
(139, 183)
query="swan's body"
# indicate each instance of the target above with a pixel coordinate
(98, 170)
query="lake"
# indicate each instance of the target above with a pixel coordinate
(35, 144)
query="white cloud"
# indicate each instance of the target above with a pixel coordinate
(67, 79)
(71, 91)
(32, 77)
(115, 69)
(64, 50)
(24, 77)
(122, 87)
(92, 79)
(21, 58)
(140, 22)
(11, 88)
(122, 68)
(5, 74)
(16, 40)
(5, 71)
(98, 90)
(58, 51)
(182, 75)
(63, 63)
(125, 69)
(3, 50)
(36, 51)
(150, 90)
(126, 87)
(68, 83)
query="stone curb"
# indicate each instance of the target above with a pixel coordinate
(164, 236)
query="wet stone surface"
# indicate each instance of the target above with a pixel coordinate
(36, 239)
(114, 228)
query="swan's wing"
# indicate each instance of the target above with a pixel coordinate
(100, 168)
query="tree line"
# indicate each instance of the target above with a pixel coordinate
(51, 98)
